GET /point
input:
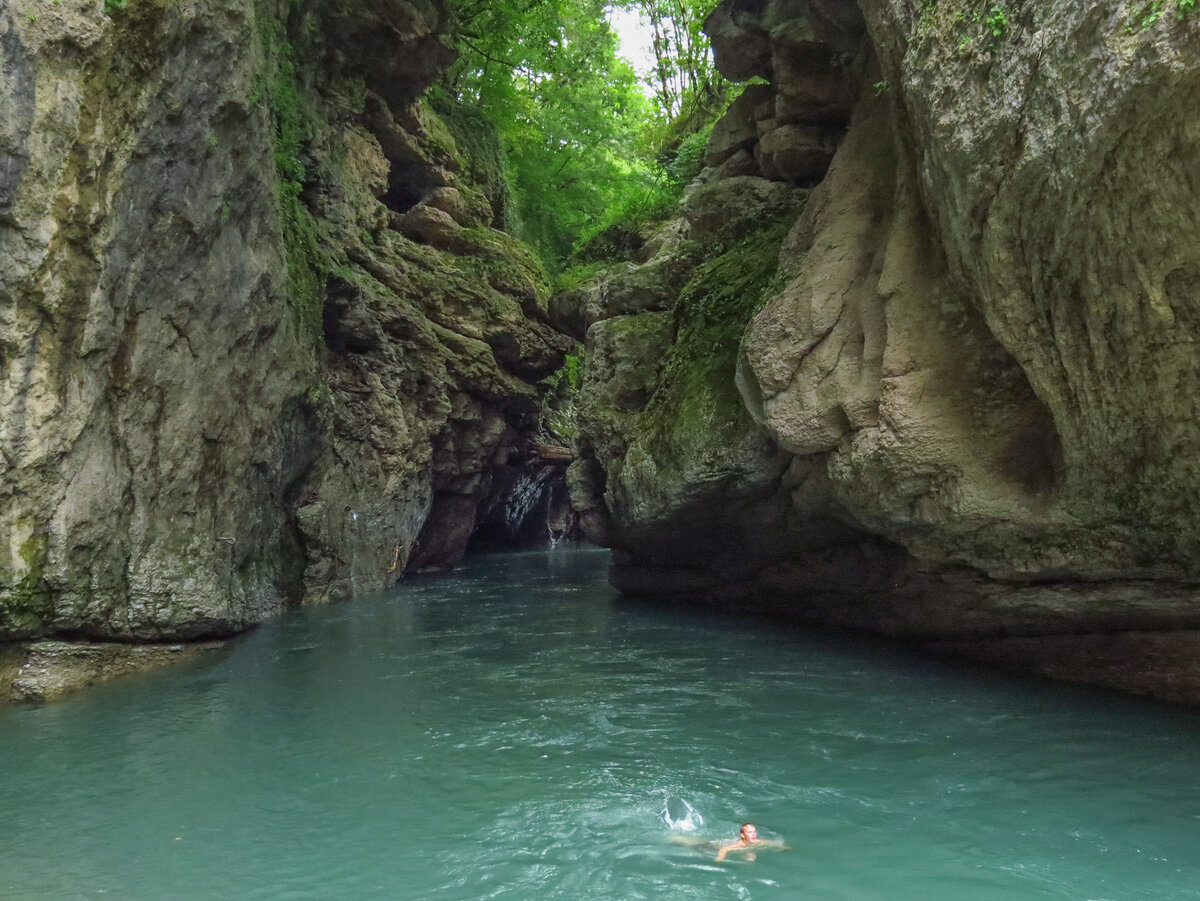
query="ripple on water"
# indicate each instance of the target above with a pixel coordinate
(510, 732)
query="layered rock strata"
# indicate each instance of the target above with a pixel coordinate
(968, 400)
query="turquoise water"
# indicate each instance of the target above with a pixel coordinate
(513, 731)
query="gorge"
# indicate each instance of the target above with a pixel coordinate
(916, 356)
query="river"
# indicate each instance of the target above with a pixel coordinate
(513, 730)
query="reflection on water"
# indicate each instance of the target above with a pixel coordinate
(512, 731)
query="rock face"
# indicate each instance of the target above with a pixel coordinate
(917, 356)
(968, 401)
(812, 57)
(256, 328)
(152, 391)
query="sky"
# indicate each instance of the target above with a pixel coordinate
(634, 33)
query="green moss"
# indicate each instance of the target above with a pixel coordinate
(577, 276)
(504, 262)
(561, 398)
(478, 151)
(293, 115)
(727, 290)
(696, 404)
(29, 602)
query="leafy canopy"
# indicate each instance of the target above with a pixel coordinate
(582, 141)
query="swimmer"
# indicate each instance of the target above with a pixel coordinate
(748, 843)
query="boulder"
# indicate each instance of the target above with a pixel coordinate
(737, 129)
(797, 153)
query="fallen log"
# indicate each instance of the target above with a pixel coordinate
(553, 453)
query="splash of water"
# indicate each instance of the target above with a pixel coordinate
(679, 815)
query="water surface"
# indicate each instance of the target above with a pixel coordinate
(513, 731)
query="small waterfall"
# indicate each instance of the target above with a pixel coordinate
(526, 505)
(524, 497)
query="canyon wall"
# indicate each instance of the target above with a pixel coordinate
(917, 355)
(258, 327)
(960, 409)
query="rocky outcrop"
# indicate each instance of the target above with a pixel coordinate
(262, 344)
(967, 399)
(672, 463)
(154, 384)
(435, 337)
(812, 56)
(47, 670)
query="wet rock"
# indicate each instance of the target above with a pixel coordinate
(585, 486)
(46, 670)
(232, 385)
(969, 382)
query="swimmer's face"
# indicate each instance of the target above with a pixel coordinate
(749, 833)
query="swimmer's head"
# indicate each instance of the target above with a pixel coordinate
(749, 833)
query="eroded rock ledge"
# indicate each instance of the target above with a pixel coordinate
(965, 409)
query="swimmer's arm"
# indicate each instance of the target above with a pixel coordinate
(727, 848)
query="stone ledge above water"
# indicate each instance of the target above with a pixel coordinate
(46, 670)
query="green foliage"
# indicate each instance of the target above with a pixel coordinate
(684, 76)
(573, 369)
(968, 25)
(560, 414)
(1143, 15)
(623, 230)
(583, 149)
(566, 109)
(687, 161)
(996, 21)
(111, 6)
(292, 113)
(581, 273)
(479, 145)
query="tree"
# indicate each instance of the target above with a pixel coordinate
(568, 111)
(684, 78)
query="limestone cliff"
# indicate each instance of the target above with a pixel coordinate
(917, 356)
(154, 383)
(966, 409)
(256, 326)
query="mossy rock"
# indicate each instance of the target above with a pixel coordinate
(735, 208)
(503, 262)
(695, 442)
(477, 147)
(28, 602)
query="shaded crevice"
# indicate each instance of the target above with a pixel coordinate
(342, 335)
